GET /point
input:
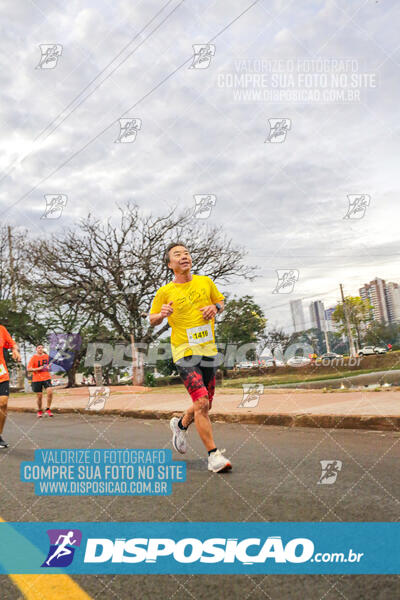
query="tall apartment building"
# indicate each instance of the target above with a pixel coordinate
(385, 299)
(393, 301)
(317, 315)
(296, 308)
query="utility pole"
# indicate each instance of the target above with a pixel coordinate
(346, 316)
(328, 347)
(20, 369)
(12, 274)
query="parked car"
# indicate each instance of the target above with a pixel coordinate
(298, 361)
(368, 350)
(330, 356)
(270, 363)
(245, 364)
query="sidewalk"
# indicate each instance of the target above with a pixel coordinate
(292, 408)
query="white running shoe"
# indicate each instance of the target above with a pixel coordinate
(217, 463)
(179, 440)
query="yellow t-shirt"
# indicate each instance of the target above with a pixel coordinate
(187, 323)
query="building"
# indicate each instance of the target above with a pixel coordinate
(393, 301)
(317, 315)
(296, 308)
(331, 326)
(381, 297)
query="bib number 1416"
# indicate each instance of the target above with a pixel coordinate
(199, 335)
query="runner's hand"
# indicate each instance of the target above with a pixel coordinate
(16, 355)
(166, 310)
(209, 312)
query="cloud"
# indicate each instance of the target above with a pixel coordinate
(284, 202)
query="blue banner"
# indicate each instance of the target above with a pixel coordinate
(192, 548)
(103, 472)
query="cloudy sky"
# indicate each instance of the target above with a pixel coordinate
(284, 200)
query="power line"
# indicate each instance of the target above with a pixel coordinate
(92, 81)
(287, 303)
(128, 110)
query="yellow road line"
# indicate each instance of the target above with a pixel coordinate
(48, 587)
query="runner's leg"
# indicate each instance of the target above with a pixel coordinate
(49, 396)
(3, 411)
(188, 416)
(203, 423)
(39, 397)
(209, 371)
(4, 392)
(191, 373)
(211, 390)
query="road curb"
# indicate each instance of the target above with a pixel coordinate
(372, 422)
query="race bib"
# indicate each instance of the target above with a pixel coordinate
(199, 335)
(2, 370)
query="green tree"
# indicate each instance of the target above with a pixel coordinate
(382, 334)
(23, 328)
(359, 312)
(242, 322)
(165, 366)
(21, 325)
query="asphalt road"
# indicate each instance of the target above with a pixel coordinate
(274, 478)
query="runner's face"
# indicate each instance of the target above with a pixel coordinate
(180, 260)
(39, 349)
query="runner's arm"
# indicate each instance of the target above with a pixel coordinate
(215, 295)
(159, 310)
(211, 311)
(157, 318)
(15, 353)
(12, 345)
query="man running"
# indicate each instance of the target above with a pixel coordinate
(190, 303)
(7, 342)
(41, 379)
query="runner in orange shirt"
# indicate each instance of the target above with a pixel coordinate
(6, 342)
(41, 379)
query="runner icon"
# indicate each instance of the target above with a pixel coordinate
(62, 549)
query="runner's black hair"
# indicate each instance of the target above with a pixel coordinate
(169, 247)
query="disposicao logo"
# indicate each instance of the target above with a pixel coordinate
(190, 550)
(63, 543)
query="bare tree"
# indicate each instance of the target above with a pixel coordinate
(275, 339)
(114, 269)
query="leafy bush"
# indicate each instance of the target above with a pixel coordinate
(149, 379)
